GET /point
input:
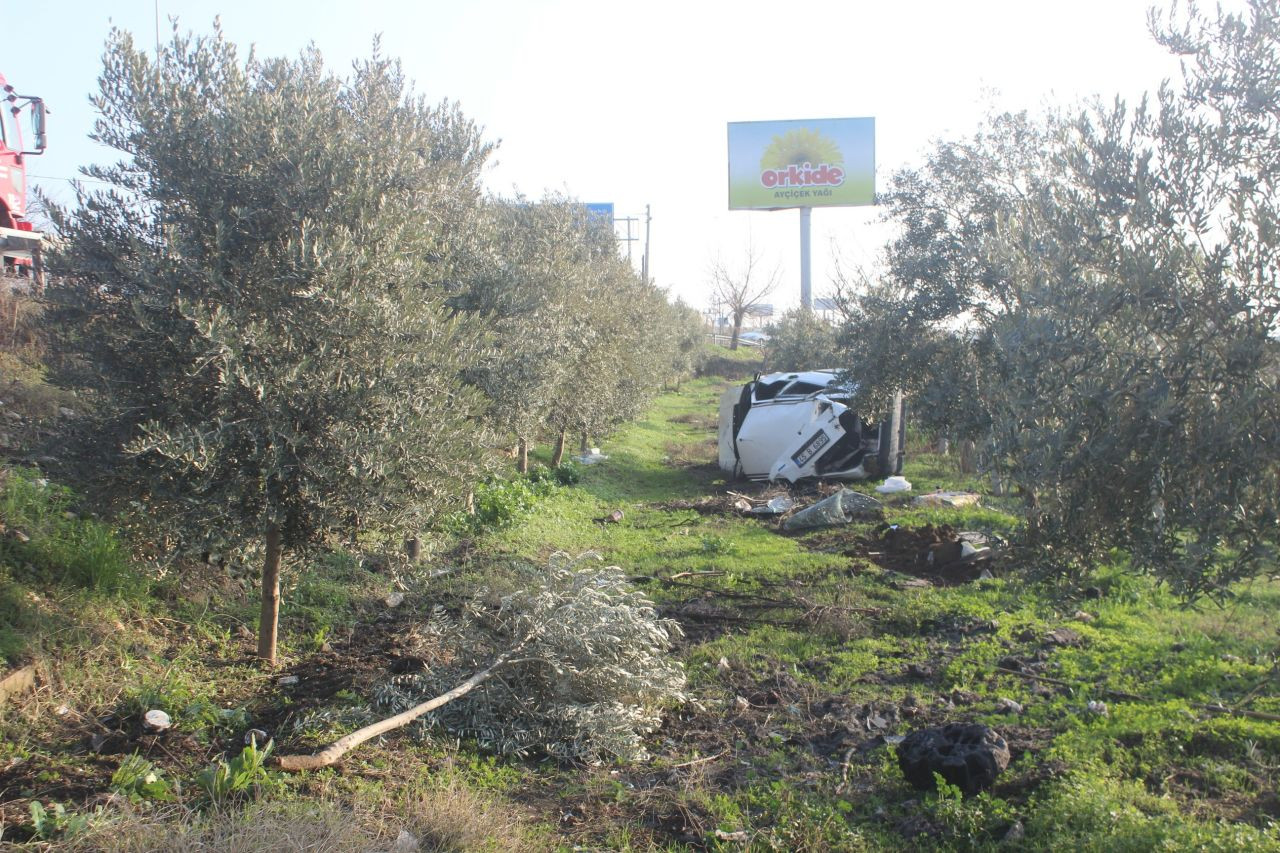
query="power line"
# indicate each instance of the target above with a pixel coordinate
(69, 180)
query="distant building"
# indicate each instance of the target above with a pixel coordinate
(758, 316)
(826, 308)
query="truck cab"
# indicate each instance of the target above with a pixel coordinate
(22, 135)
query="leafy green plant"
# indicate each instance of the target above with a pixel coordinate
(499, 502)
(139, 779)
(247, 773)
(969, 821)
(567, 474)
(56, 823)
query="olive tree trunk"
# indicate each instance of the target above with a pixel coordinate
(558, 456)
(269, 618)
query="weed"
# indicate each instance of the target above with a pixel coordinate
(56, 823)
(139, 780)
(223, 782)
(499, 502)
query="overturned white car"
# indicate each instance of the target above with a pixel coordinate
(789, 426)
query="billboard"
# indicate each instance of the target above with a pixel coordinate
(803, 163)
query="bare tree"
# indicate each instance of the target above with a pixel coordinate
(741, 290)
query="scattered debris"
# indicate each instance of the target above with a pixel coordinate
(395, 599)
(1063, 637)
(948, 499)
(1016, 833)
(612, 518)
(287, 681)
(256, 737)
(967, 755)
(723, 666)
(156, 720)
(759, 506)
(591, 458)
(1081, 616)
(740, 835)
(841, 508)
(939, 554)
(1008, 706)
(1099, 708)
(893, 485)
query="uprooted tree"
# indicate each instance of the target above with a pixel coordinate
(254, 304)
(1108, 284)
(573, 664)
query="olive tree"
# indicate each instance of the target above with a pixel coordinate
(801, 340)
(1111, 277)
(255, 300)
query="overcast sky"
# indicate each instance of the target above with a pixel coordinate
(628, 103)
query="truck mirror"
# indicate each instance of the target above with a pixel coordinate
(38, 124)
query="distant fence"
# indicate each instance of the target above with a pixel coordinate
(727, 340)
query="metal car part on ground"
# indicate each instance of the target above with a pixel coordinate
(793, 426)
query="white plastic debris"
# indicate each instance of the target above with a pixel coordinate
(156, 720)
(1099, 708)
(591, 458)
(287, 680)
(740, 835)
(894, 485)
(948, 499)
(395, 599)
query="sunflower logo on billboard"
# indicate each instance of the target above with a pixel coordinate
(802, 158)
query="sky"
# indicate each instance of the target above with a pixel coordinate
(628, 103)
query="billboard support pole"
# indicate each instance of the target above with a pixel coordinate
(806, 279)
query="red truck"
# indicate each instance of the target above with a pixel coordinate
(19, 241)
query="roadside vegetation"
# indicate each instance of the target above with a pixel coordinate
(805, 656)
(289, 451)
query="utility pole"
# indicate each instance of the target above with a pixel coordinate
(644, 265)
(629, 239)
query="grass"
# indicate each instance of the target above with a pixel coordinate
(803, 652)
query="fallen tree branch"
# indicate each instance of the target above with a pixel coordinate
(1132, 697)
(330, 754)
(702, 760)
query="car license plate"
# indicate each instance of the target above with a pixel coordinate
(811, 449)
